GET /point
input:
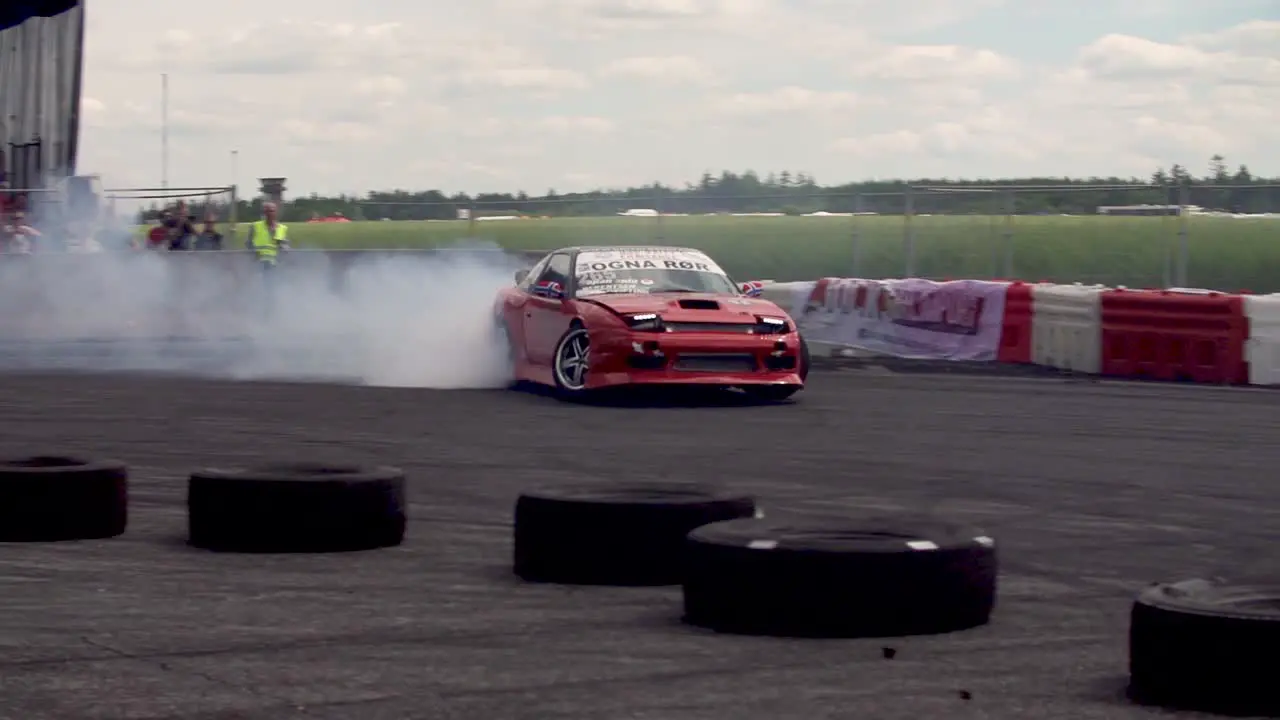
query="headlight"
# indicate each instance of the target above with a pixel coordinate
(771, 325)
(645, 322)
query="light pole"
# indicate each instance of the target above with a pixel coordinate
(164, 131)
(235, 192)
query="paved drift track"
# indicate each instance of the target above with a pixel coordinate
(1092, 490)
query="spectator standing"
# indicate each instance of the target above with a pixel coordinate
(181, 228)
(21, 236)
(268, 236)
(158, 235)
(209, 238)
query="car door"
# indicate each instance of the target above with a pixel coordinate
(515, 304)
(547, 315)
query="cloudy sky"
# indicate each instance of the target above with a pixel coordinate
(575, 94)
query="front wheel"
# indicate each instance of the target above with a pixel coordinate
(572, 362)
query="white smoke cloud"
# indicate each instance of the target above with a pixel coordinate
(396, 319)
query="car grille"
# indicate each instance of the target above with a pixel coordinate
(715, 362)
(709, 327)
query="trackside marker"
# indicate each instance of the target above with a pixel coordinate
(985, 541)
(763, 544)
(922, 545)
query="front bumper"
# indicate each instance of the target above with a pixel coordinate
(630, 358)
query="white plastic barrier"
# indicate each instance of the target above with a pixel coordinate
(1066, 327)
(1262, 349)
(791, 297)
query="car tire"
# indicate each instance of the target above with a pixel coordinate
(48, 498)
(502, 335)
(836, 577)
(1201, 645)
(631, 534)
(296, 507)
(568, 387)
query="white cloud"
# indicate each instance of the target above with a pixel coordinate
(1256, 38)
(527, 78)
(589, 125)
(506, 94)
(1124, 57)
(935, 64)
(788, 100)
(668, 69)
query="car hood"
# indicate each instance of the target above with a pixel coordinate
(676, 306)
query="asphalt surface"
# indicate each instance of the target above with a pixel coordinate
(1092, 491)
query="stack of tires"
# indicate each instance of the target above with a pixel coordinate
(742, 572)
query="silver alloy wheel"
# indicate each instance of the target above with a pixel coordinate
(572, 358)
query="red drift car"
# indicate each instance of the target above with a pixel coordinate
(588, 318)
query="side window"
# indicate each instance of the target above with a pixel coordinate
(534, 272)
(557, 270)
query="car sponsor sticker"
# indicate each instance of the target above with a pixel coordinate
(598, 278)
(612, 289)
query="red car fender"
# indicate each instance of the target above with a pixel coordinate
(606, 330)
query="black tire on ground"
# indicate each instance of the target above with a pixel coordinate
(837, 577)
(51, 498)
(615, 535)
(1203, 645)
(296, 508)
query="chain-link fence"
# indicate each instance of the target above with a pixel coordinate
(1213, 236)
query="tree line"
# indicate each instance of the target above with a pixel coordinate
(799, 193)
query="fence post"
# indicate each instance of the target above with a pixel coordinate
(659, 228)
(1010, 210)
(471, 219)
(855, 236)
(232, 219)
(1184, 235)
(909, 234)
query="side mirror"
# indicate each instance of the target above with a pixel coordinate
(552, 290)
(521, 275)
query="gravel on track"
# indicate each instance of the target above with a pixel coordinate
(1091, 489)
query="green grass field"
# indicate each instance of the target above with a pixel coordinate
(1225, 253)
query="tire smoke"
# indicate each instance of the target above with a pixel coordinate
(397, 319)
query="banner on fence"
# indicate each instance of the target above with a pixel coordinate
(913, 318)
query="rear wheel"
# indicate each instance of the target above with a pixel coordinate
(503, 334)
(572, 361)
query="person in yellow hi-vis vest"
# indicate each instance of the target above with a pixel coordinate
(268, 236)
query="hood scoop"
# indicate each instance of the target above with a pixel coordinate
(695, 304)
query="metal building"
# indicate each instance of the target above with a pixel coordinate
(41, 63)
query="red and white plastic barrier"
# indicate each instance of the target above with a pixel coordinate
(1176, 334)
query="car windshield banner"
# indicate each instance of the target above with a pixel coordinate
(645, 259)
(913, 318)
(646, 270)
